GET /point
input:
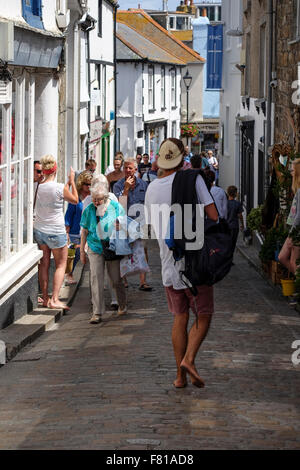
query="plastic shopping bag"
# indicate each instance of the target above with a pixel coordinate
(136, 262)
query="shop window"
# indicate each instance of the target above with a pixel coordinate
(16, 170)
(32, 13)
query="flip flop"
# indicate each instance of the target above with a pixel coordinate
(145, 287)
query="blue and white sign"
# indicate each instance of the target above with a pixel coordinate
(214, 57)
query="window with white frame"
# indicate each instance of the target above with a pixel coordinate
(163, 87)
(99, 91)
(172, 22)
(296, 19)
(151, 87)
(100, 18)
(173, 88)
(174, 129)
(16, 167)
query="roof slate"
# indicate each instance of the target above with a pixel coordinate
(138, 47)
(158, 38)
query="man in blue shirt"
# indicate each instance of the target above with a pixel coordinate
(131, 191)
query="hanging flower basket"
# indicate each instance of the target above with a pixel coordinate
(189, 130)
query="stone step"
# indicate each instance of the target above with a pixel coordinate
(31, 326)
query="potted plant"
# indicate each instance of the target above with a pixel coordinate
(189, 130)
(274, 238)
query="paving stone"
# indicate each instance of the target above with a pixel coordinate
(109, 386)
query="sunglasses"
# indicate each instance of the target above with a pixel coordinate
(87, 184)
(39, 171)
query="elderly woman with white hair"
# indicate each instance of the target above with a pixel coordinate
(98, 221)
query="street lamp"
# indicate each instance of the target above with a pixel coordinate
(187, 81)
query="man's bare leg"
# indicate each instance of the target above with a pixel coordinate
(179, 340)
(195, 339)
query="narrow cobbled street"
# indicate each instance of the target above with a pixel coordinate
(109, 386)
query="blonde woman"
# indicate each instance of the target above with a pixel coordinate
(73, 216)
(49, 228)
(289, 253)
(102, 212)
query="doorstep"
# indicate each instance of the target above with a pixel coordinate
(29, 327)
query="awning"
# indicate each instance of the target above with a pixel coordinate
(36, 50)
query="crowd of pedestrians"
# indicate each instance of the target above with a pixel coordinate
(93, 223)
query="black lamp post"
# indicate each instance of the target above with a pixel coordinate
(187, 81)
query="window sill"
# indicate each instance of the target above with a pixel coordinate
(18, 265)
(294, 41)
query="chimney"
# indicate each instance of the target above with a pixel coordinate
(204, 12)
(139, 6)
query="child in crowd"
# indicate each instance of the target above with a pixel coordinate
(234, 214)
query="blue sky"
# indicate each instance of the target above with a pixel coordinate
(148, 4)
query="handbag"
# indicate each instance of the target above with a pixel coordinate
(109, 255)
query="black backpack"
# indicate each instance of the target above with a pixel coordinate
(210, 264)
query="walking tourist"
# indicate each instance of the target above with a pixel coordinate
(145, 165)
(118, 172)
(131, 191)
(73, 216)
(212, 160)
(218, 194)
(289, 253)
(98, 221)
(49, 228)
(180, 300)
(234, 214)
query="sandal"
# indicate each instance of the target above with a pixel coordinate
(145, 287)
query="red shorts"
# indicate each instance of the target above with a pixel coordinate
(180, 301)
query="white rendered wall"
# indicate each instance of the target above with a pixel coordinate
(129, 106)
(195, 94)
(230, 97)
(102, 48)
(46, 116)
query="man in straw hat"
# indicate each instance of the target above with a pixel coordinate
(179, 297)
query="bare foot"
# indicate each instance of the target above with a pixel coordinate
(192, 371)
(179, 383)
(42, 302)
(57, 304)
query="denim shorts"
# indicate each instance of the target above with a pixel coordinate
(52, 241)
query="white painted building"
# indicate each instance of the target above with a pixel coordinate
(149, 83)
(90, 83)
(230, 97)
(31, 43)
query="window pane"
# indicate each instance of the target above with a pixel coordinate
(15, 178)
(15, 128)
(2, 214)
(27, 166)
(1, 134)
(26, 123)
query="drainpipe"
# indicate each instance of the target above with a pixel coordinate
(270, 90)
(76, 71)
(115, 73)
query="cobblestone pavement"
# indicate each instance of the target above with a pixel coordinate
(109, 386)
